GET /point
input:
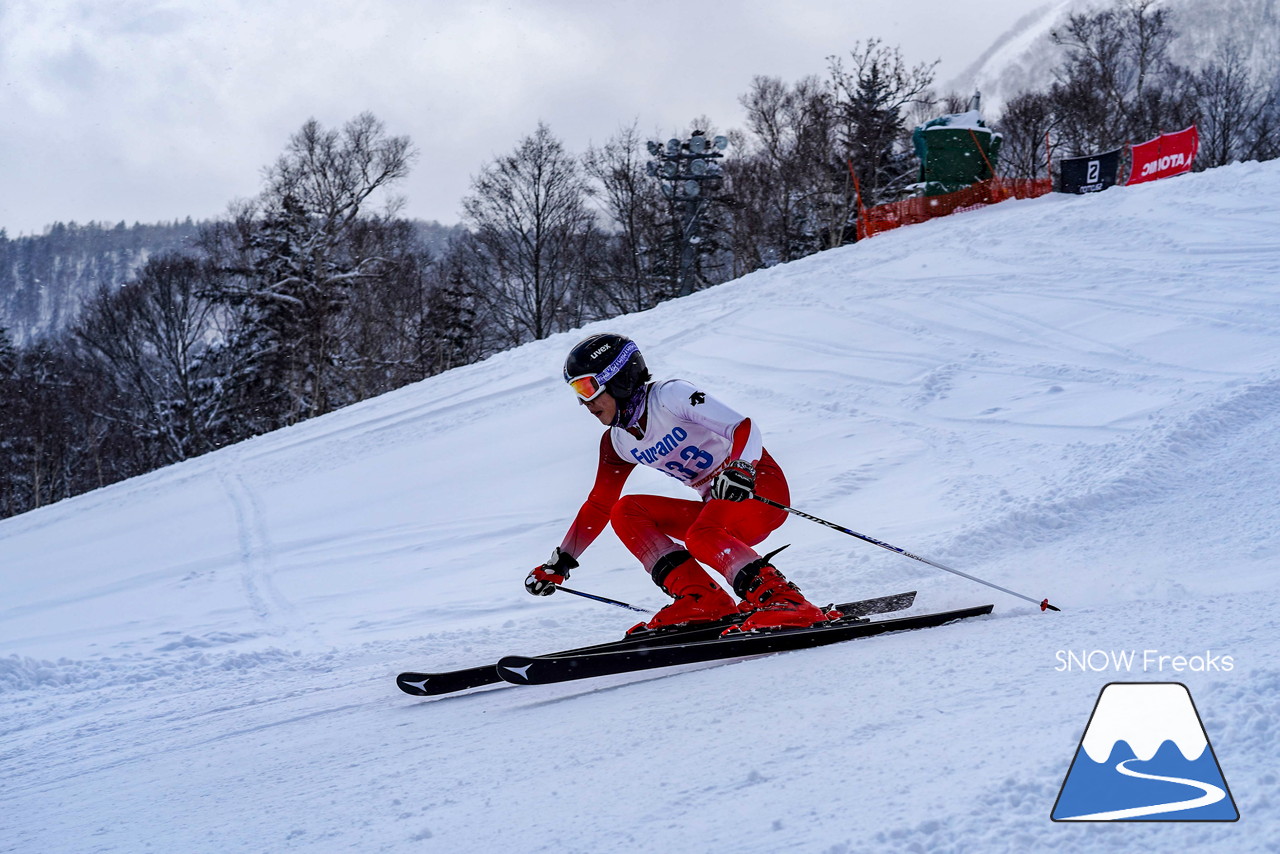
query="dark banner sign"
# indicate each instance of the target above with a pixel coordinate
(1166, 155)
(1091, 173)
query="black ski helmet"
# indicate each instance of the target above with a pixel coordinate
(614, 361)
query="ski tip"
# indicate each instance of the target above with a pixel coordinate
(515, 669)
(413, 683)
(1045, 606)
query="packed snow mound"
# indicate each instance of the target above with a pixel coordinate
(1074, 397)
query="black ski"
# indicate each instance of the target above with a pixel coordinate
(447, 682)
(521, 670)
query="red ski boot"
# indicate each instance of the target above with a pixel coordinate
(777, 602)
(698, 598)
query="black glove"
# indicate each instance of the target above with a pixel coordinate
(543, 580)
(736, 483)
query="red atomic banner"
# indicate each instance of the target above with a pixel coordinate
(1166, 155)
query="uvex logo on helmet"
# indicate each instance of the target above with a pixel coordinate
(612, 363)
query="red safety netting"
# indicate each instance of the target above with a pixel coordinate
(885, 217)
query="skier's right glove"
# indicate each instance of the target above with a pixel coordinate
(736, 483)
(543, 580)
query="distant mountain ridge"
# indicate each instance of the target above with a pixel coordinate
(45, 278)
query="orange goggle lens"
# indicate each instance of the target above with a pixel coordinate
(586, 387)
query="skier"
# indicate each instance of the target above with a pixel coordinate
(678, 429)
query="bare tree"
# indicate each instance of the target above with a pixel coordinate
(379, 328)
(333, 173)
(1024, 124)
(529, 214)
(792, 184)
(1232, 108)
(50, 432)
(1265, 138)
(624, 280)
(149, 338)
(1118, 84)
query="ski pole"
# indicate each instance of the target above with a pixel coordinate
(604, 599)
(1044, 604)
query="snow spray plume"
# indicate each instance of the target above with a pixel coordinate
(1044, 603)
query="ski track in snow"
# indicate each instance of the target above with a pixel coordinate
(1072, 397)
(255, 548)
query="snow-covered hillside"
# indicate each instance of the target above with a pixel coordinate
(1075, 397)
(1024, 58)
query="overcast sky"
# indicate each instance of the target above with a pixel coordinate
(146, 111)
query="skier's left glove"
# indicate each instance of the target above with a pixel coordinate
(736, 483)
(543, 580)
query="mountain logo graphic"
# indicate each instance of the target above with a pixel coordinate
(1145, 756)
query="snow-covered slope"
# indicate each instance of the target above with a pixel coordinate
(1075, 397)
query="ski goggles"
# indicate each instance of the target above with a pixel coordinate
(589, 386)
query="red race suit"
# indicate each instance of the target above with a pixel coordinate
(691, 436)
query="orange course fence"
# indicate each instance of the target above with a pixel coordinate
(1164, 156)
(880, 218)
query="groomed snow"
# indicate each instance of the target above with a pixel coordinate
(1075, 397)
